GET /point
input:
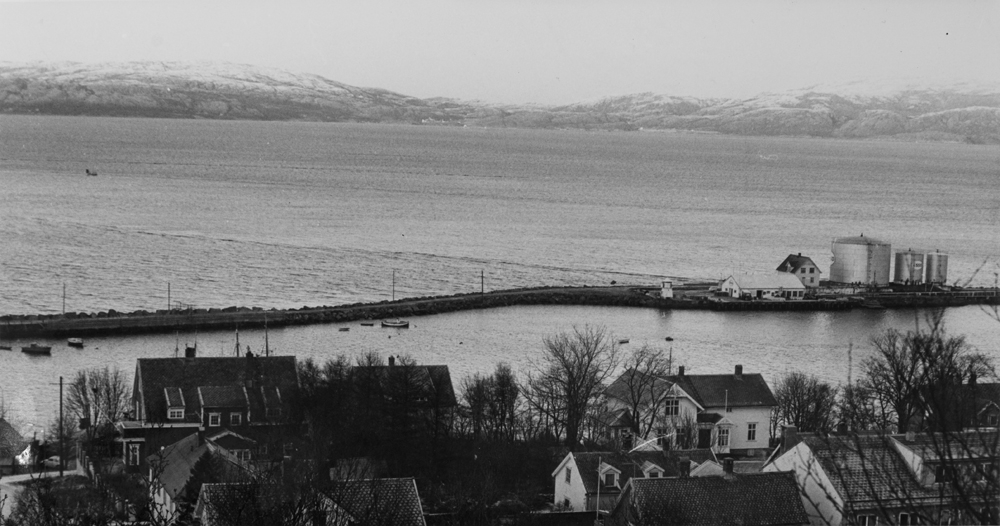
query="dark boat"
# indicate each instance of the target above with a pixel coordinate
(91, 172)
(344, 329)
(367, 323)
(623, 341)
(34, 348)
(396, 324)
(75, 342)
(5, 347)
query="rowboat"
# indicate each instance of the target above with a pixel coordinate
(396, 324)
(34, 348)
(75, 342)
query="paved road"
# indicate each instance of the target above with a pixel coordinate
(10, 488)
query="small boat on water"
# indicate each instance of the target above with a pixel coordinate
(623, 341)
(367, 323)
(5, 347)
(344, 329)
(75, 342)
(92, 173)
(34, 348)
(396, 324)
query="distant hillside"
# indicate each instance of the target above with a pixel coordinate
(226, 91)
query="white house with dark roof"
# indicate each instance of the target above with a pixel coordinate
(778, 285)
(174, 397)
(801, 267)
(584, 478)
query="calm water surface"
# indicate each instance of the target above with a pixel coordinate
(293, 214)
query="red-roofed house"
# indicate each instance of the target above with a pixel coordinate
(174, 397)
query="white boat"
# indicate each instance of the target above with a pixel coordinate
(396, 324)
(34, 348)
(75, 342)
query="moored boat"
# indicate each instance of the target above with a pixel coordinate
(396, 324)
(75, 342)
(5, 347)
(34, 348)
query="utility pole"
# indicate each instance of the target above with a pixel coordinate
(62, 451)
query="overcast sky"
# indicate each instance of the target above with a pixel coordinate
(544, 51)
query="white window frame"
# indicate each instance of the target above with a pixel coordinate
(175, 413)
(751, 431)
(604, 479)
(235, 419)
(723, 440)
(214, 419)
(909, 519)
(672, 407)
(132, 453)
(243, 455)
(867, 519)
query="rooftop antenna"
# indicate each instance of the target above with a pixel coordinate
(177, 344)
(393, 284)
(237, 340)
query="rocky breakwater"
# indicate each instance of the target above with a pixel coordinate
(112, 322)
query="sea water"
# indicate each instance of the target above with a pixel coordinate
(291, 214)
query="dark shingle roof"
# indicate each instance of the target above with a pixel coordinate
(175, 398)
(719, 390)
(154, 375)
(11, 442)
(379, 501)
(629, 464)
(172, 466)
(223, 396)
(794, 262)
(749, 500)
(866, 468)
(433, 382)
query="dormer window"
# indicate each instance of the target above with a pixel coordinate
(175, 403)
(943, 474)
(175, 413)
(654, 474)
(273, 412)
(611, 480)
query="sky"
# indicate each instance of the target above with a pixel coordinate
(533, 51)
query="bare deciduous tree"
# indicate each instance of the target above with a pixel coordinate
(641, 387)
(570, 375)
(805, 402)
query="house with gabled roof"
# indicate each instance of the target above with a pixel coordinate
(760, 499)
(173, 397)
(877, 478)
(801, 267)
(12, 445)
(584, 479)
(775, 286)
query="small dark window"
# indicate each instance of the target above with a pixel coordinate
(904, 519)
(609, 480)
(569, 474)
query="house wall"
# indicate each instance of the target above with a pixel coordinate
(740, 417)
(574, 490)
(819, 498)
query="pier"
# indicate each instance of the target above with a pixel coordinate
(693, 296)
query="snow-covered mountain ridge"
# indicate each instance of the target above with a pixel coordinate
(959, 111)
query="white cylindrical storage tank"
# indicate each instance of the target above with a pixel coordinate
(936, 267)
(909, 267)
(860, 260)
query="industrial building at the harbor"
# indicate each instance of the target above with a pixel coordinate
(865, 260)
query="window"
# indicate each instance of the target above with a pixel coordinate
(214, 419)
(729, 409)
(803, 270)
(569, 474)
(673, 407)
(661, 436)
(867, 520)
(724, 437)
(904, 519)
(812, 280)
(992, 419)
(132, 454)
(654, 474)
(273, 412)
(943, 474)
(243, 455)
(175, 413)
(752, 432)
(235, 419)
(610, 480)
(812, 270)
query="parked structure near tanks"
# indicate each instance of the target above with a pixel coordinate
(860, 259)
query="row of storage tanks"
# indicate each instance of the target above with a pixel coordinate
(866, 260)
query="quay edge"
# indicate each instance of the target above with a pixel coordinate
(110, 323)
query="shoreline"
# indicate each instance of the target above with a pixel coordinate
(688, 296)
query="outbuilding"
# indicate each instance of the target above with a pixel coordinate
(779, 285)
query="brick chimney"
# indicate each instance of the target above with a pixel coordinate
(680, 370)
(727, 469)
(739, 372)
(684, 467)
(392, 360)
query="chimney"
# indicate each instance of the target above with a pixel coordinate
(680, 370)
(739, 372)
(392, 360)
(972, 377)
(684, 467)
(789, 438)
(800, 254)
(190, 351)
(727, 468)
